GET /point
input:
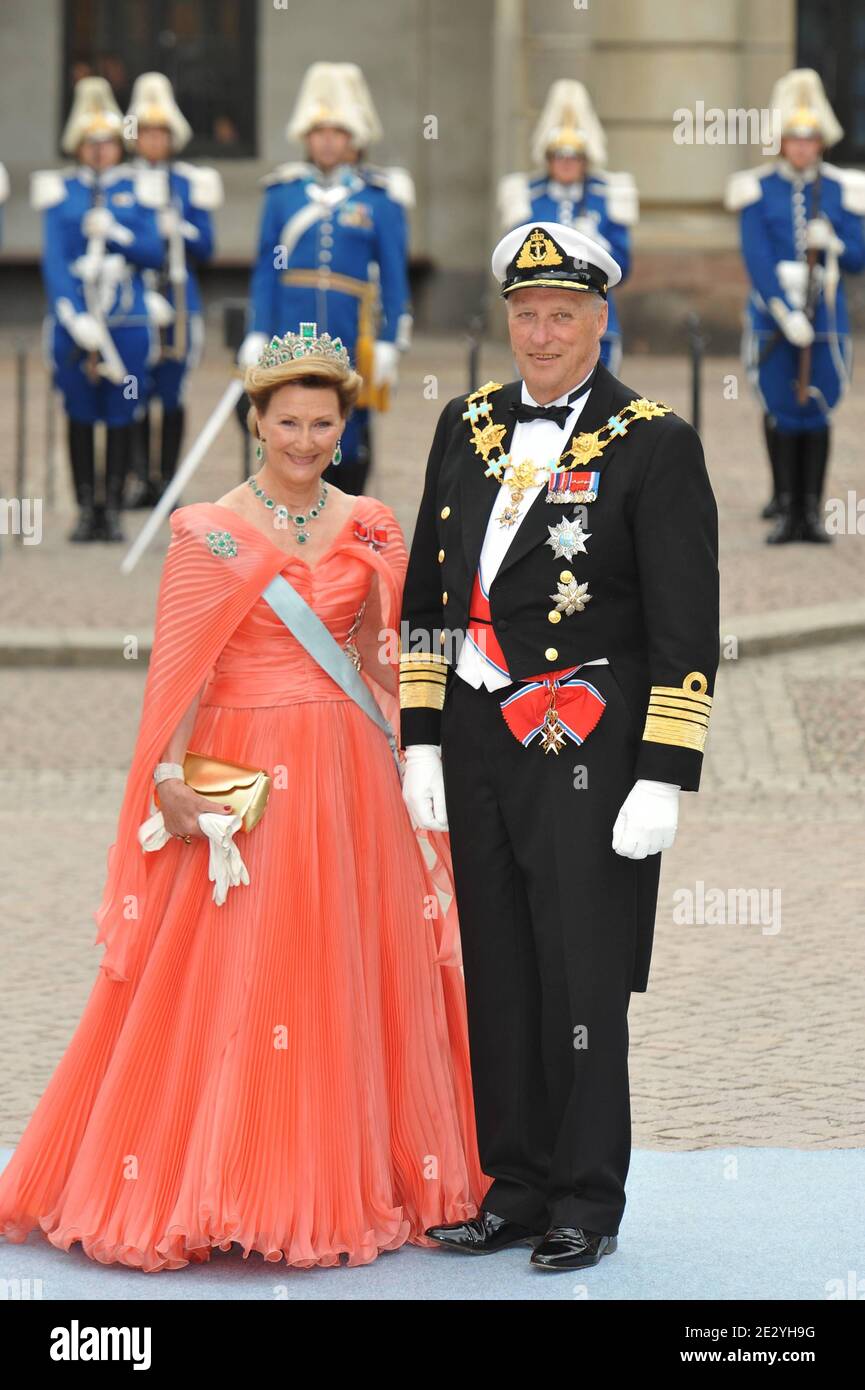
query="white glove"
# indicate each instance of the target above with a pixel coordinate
(226, 869)
(251, 349)
(159, 311)
(385, 361)
(792, 323)
(423, 788)
(168, 221)
(82, 327)
(648, 819)
(820, 235)
(99, 222)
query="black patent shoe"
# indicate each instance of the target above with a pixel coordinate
(571, 1247)
(483, 1234)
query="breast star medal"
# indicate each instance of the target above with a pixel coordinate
(567, 538)
(571, 597)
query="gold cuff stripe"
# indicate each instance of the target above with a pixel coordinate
(422, 695)
(679, 712)
(675, 692)
(412, 677)
(423, 658)
(678, 732)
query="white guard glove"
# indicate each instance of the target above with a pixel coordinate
(384, 364)
(648, 819)
(226, 869)
(168, 221)
(423, 787)
(792, 323)
(99, 222)
(251, 349)
(159, 310)
(82, 327)
(820, 235)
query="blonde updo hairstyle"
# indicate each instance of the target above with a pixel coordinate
(261, 382)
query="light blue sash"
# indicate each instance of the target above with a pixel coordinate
(312, 634)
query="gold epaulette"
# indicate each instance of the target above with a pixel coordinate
(679, 714)
(422, 677)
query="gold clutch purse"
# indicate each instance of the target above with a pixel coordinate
(245, 789)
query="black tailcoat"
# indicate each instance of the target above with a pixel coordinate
(651, 567)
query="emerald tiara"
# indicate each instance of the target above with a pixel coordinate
(307, 343)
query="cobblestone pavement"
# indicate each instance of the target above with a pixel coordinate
(751, 1030)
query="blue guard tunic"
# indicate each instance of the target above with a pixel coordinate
(131, 197)
(332, 251)
(194, 193)
(775, 203)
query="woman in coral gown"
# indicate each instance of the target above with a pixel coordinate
(287, 1070)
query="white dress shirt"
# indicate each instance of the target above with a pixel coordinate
(543, 441)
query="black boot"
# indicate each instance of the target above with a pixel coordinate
(117, 443)
(140, 492)
(81, 461)
(172, 437)
(812, 464)
(771, 508)
(786, 527)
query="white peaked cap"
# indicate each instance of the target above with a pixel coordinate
(569, 116)
(153, 103)
(94, 114)
(335, 94)
(551, 255)
(800, 106)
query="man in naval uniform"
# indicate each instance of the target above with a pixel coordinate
(559, 644)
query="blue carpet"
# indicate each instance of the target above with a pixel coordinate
(737, 1223)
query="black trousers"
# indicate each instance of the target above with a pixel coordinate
(549, 926)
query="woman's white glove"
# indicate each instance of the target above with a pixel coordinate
(226, 868)
(423, 788)
(648, 819)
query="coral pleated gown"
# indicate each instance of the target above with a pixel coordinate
(290, 1070)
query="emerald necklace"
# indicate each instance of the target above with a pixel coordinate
(299, 521)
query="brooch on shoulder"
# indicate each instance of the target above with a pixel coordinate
(221, 543)
(373, 536)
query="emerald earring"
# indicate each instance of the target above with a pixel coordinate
(259, 452)
(337, 453)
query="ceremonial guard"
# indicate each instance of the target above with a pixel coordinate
(333, 249)
(801, 225)
(100, 234)
(558, 651)
(571, 186)
(157, 131)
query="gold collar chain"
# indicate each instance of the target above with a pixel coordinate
(583, 449)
